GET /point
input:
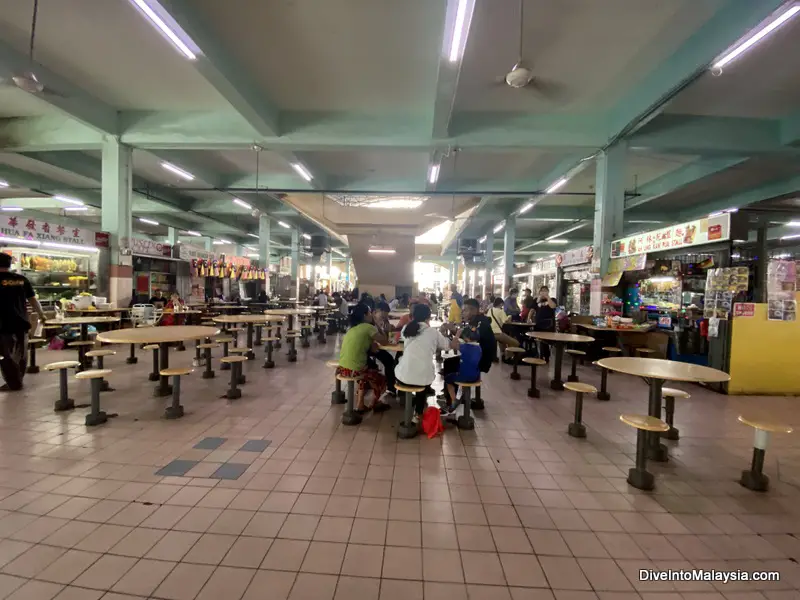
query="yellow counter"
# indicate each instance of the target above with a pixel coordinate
(765, 355)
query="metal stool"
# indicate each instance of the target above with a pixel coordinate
(235, 363)
(132, 360)
(466, 421)
(573, 375)
(153, 376)
(669, 395)
(224, 340)
(268, 362)
(208, 372)
(241, 352)
(175, 410)
(533, 391)
(516, 352)
(407, 429)
(639, 477)
(350, 416)
(337, 395)
(33, 343)
(95, 416)
(64, 402)
(754, 478)
(100, 355)
(577, 428)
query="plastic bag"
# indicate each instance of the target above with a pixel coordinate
(432, 422)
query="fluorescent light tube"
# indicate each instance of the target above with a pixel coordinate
(482, 240)
(168, 32)
(302, 171)
(459, 32)
(226, 241)
(382, 250)
(3, 183)
(556, 186)
(526, 208)
(217, 242)
(76, 208)
(12, 240)
(149, 221)
(306, 236)
(433, 174)
(11, 208)
(69, 247)
(339, 252)
(253, 235)
(284, 225)
(68, 200)
(789, 224)
(558, 241)
(193, 233)
(177, 170)
(499, 227)
(242, 203)
(755, 37)
(791, 237)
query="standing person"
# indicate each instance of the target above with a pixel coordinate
(381, 321)
(544, 318)
(15, 292)
(434, 305)
(528, 302)
(415, 367)
(510, 304)
(456, 295)
(322, 299)
(499, 318)
(356, 345)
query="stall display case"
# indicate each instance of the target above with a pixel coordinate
(55, 275)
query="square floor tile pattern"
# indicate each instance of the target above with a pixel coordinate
(273, 493)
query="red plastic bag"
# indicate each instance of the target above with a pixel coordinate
(432, 422)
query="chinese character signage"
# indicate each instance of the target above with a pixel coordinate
(721, 287)
(544, 266)
(744, 309)
(189, 252)
(695, 233)
(144, 247)
(237, 261)
(44, 230)
(576, 256)
(630, 263)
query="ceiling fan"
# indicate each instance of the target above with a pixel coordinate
(521, 75)
(27, 81)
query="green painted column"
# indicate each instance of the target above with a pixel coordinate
(209, 244)
(264, 249)
(172, 236)
(295, 269)
(488, 265)
(347, 272)
(609, 201)
(509, 239)
(330, 271)
(116, 219)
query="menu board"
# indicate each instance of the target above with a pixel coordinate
(721, 287)
(693, 233)
(781, 287)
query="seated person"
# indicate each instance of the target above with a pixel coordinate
(158, 299)
(499, 318)
(469, 365)
(381, 321)
(356, 344)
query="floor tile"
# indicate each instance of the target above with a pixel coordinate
(176, 468)
(209, 443)
(229, 471)
(184, 582)
(104, 573)
(324, 557)
(144, 577)
(228, 583)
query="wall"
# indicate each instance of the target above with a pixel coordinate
(764, 355)
(380, 273)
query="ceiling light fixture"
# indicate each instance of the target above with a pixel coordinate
(3, 183)
(499, 227)
(226, 241)
(68, 200)
(556, 186)
(482, 240)
(284, 225)
(306, 236)
(149, 221)
(253, 235)
(302, 171)
(177, 170)
(381, 250)
(565, 232)
(752, 39)
(167, 26)
(242, 203)
(69, 247)
(253, 255)
(217, 242)
(396, 203)
(433, 173)
(76, 208)
(526, 208)
(793, 224)
(11, 208)
(460, 27)
(193, 233)
(791, 237)
(557, 241)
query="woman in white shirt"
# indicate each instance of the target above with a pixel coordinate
(416, 367)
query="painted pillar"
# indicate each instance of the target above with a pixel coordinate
(295, 270)
(209, 243)
(330, 271)
(509, 239)
(264, 249)
(453, 272)
(347, 272)
(172, 236)
(116, 218)
(609, 201)
(762, 263)
(488, 288)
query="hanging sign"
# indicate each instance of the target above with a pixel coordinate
(237, 261)
(44, 230)
(144, 247)
(189, 252)
(544, 266)
(629, 263)
(694, 233)
(744, 309)
(576, 256)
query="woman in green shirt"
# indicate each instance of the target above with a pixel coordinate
(356, 344)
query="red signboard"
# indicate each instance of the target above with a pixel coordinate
(744, 309)
(101, 239)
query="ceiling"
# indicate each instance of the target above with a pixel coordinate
(363, 95)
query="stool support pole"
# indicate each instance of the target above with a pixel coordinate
(603, 393)
(132, 360)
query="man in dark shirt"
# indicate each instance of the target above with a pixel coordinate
(15, 292)
(158, 299)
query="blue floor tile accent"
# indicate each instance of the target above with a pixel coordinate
(177, 468)
(209, 443)
(229, 471)
(255, 445)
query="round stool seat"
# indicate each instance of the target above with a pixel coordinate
(393, 347)
(223, 340)
(175, 371)
(240, 350)
(584, 388)
(644, 422)
(413, 389)
(64, 364)
(646, 351)
(95, 353)
(93, 374)
(513, 350)
(765, 424)
(343, 378)
(529, 360)
(81, 343)
(469, 384)
(208, 346)
(332, 363)
(34, 341)
(575, 352)
(271, 339)
(150, 347)
(235, 328)
(613, 349)
(233, 359)
(673, 393)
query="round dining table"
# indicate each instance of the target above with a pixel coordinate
(84, 323)
(250, 321)
(163, 336)
(558, 341)
(655, 371)
(291, 313)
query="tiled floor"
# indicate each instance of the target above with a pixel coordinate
(516, 510)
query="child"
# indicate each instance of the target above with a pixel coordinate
(469, 366)
(415, 367)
